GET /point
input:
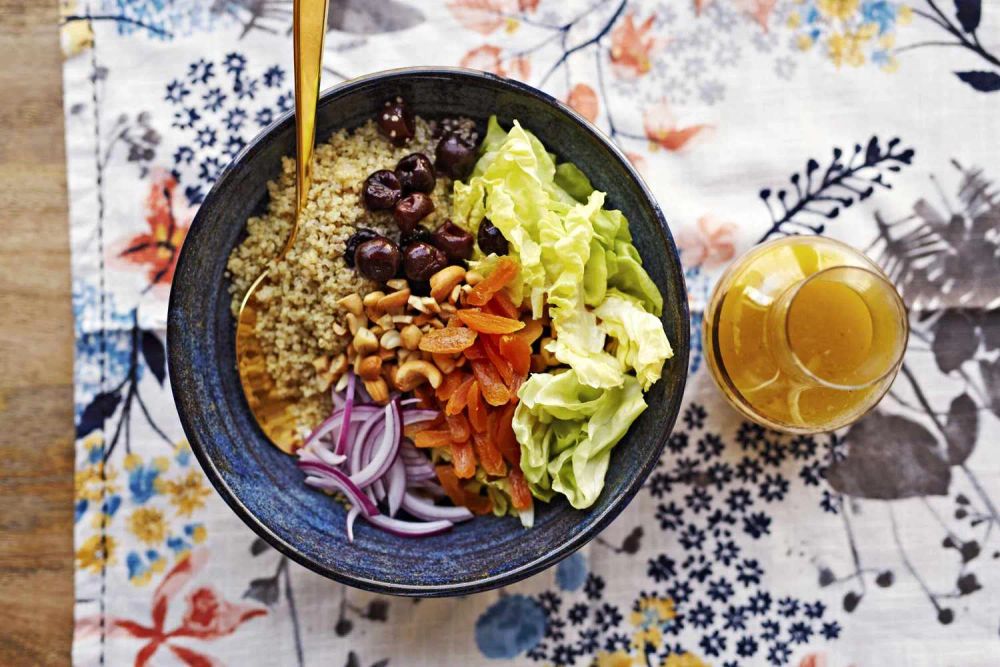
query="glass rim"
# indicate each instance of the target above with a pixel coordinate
(898, 355)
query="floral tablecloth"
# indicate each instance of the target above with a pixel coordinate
(874, 121)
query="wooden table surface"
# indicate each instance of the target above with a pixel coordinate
(36, 344)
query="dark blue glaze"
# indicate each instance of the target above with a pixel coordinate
(263, 486)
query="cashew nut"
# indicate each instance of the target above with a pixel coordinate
(413, 373)
(365, 342)
(445, 280)
(378, 390)
(370, 368)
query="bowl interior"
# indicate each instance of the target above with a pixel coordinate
(263, 485)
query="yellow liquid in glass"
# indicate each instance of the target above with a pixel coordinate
(803, 355)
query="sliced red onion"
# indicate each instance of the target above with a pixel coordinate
(527, 516)
(409, 528)
(320, 453)
(348, 406)
(425, 509)
(378, 489)
(384, 455)
(407, 402)
(333, 423)
(395, 485)
(414, 416)
(352, 514)
(331, 479)
(358, 446)
(418, 475)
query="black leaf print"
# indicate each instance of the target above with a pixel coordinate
(961, 429)
(955, 340)
(990, 370)
(969, 13)
(95, 414)
(152, 352)
(353, 660)
(258, 546)
(983, 81)
(968, 584)
(633, 541)
(264, 590)
(890, 457)
(819, 195)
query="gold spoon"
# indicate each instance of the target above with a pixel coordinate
(269, 409)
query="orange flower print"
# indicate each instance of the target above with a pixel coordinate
(632, 47)
(711, 245)
(485, 16)
(169, 219)
(486, 58)
(207, 617)
(662, 129)
(520, 68)
(584, 100)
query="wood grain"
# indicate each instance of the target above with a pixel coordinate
(36, 344)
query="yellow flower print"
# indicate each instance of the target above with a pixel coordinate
(147, 524)
(684, 660)
(90, 485)
(845, 48)
(198, 533)
(804, 42)
(838, 9)
(616, 659)
(187, 493)
(794, 20)
(904, 14)
(653, 611)
(651, 636)
(95, 553)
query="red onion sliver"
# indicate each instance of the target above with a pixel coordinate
(395, 485)
(409, 528)
(332, 479)
(348, 405)
(414, 416)
(424, 509)
(384, 455)
(358, 446)
(352, 514)
(419, 474)
(319, 453)
(378, 489)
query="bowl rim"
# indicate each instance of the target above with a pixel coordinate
(542, 562)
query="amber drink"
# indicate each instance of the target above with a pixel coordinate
(804, 334)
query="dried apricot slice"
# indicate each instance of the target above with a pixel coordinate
(477, 411)
(505, 271)
(520, 494)
(459, 398)
(487, 322)
(504, 435)
(517, 352)
(451, 382)
(432, 438)
(531, 332)
(448, 340)
(464, 459)
(491, 385)
(501, 304)
(503, 366)
(489, 455)
(459, 428)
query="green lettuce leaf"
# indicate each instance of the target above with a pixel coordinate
(642, 344)
(567, 430)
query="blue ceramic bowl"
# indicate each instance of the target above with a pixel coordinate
(263, 486)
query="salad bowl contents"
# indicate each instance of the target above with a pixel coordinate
(468, 333)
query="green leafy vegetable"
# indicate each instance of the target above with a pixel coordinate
(577, 259)
(642, 343)
(566, 431)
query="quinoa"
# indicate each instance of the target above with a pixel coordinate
(297, 326)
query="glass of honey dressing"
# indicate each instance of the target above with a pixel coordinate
(804, 334)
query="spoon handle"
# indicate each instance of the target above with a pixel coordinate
(309, 28)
